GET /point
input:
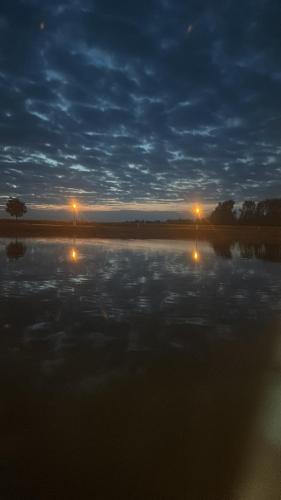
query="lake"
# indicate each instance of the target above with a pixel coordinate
(138, 369)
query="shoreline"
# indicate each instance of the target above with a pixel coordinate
(128, 230)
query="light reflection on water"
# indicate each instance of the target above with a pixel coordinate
(171, 279)
(187, 325)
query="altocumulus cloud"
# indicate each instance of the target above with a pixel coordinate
(142, 106)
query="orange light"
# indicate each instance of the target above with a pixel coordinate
(197, 211)
(195, 256)
(74, 255)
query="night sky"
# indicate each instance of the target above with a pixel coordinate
(139, 105)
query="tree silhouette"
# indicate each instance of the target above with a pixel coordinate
(224, 213)
(265, 212)
(15, 207)
(248, 214)
(270, 211)
(15, 250)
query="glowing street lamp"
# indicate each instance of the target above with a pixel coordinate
(195, 253)
(75, 209)
(197, 211)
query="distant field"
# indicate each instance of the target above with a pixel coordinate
(33, 228)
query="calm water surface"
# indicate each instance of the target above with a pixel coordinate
(140, 369)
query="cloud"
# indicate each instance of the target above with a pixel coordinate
(126, 102)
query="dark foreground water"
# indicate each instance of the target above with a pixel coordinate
(139, 370)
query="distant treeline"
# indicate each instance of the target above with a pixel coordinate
(158, 221)
(261, 213)
(257, 213)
